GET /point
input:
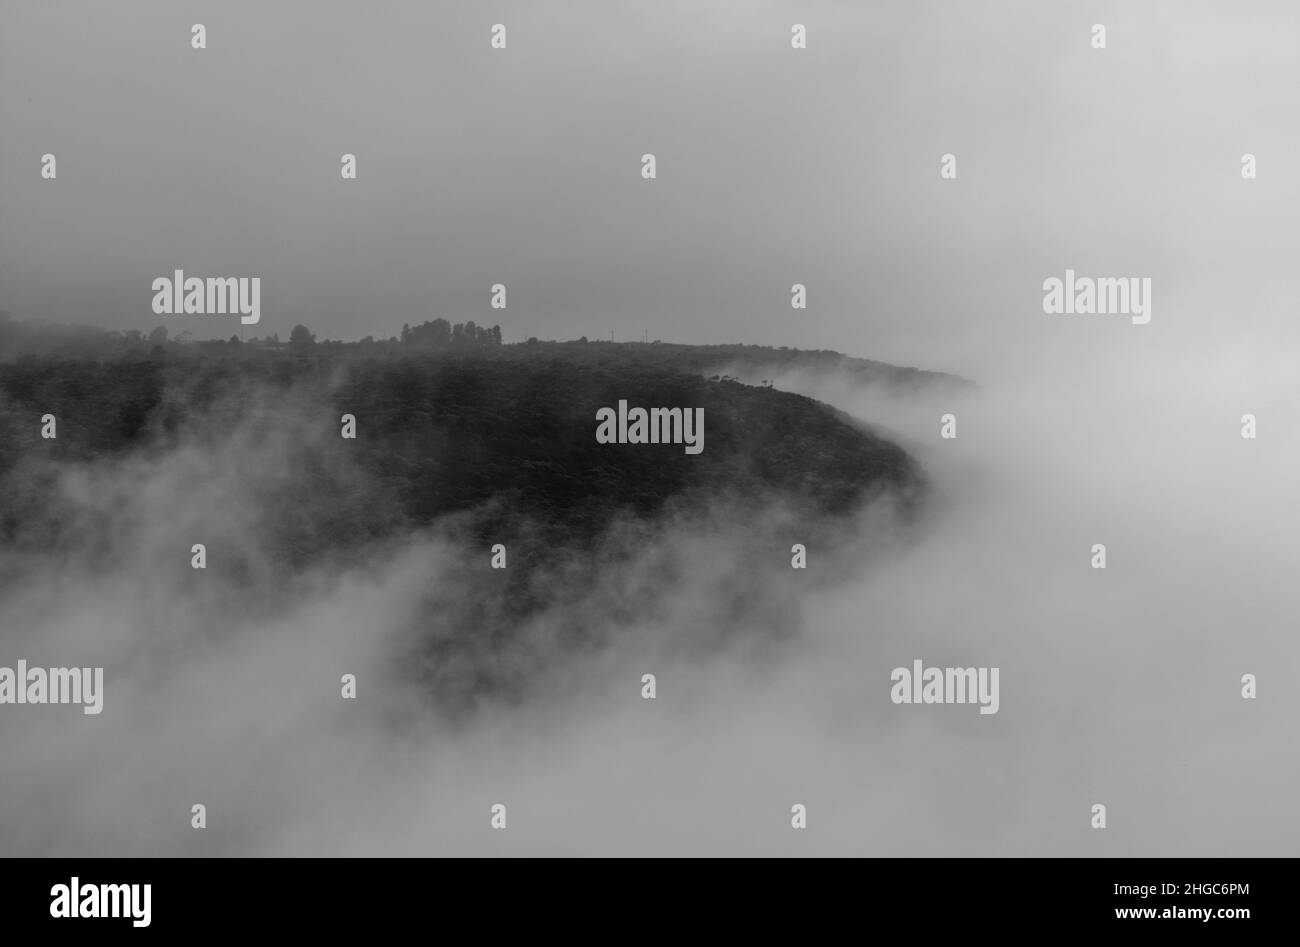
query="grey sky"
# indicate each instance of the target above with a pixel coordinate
(775, 166)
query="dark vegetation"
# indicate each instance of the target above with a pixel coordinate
(513, 438)
(489, 443)
(438, 335)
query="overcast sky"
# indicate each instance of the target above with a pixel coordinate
(775, 166)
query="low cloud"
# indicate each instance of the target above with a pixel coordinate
(1119, 686)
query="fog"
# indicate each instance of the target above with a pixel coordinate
(775, 166)
(1118, 686)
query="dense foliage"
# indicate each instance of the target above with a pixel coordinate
(438, 433)
(478, 442)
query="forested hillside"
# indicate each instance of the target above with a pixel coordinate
(478, 443)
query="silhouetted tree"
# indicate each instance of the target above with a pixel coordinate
(440, 333)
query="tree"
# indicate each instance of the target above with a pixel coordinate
(158, 336)
(300, 337)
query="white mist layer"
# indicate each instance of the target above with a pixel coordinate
(1119, 687)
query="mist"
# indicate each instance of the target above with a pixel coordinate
(1119, 686)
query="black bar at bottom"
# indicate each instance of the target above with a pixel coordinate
(334, 897)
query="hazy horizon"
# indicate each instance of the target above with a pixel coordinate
(521, 166)
(775, 166)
